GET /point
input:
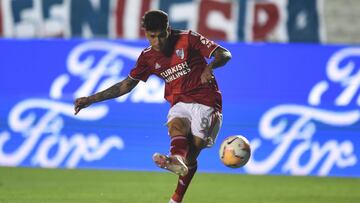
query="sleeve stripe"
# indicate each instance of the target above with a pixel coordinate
(213, 50)
(132, 77)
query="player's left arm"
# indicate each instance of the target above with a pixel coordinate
(221, 57)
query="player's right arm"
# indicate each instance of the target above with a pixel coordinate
(114, 91)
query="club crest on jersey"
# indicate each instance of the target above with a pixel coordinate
(180, 53)
(157, 66)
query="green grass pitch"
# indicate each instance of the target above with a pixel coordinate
(29, 185)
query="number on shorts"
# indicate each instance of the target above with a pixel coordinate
(204, 123)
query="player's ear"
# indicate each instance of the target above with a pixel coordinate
(145, 33)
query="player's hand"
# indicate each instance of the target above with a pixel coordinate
(81, 103)
(207, 76)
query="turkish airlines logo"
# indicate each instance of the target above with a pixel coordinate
(175, 72)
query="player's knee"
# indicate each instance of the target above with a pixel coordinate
(178, 126)
(199, 143)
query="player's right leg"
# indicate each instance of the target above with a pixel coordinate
(173, 163)
(176, 162)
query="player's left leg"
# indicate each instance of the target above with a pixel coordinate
(197, 144)
(205, 126)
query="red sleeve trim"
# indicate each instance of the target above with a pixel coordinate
(133, 78)
(213, 50)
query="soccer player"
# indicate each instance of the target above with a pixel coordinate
(194, 119)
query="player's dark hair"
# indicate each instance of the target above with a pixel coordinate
(155, 20)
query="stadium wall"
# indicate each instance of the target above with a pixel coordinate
(342, 21)
(231, 20)
(330, 21)
(298, 104)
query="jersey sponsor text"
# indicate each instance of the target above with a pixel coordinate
(175, 71)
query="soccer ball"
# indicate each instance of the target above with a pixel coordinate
(235, 151)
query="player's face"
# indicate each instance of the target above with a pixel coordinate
(157, 39)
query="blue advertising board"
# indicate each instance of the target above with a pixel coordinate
(298, 104)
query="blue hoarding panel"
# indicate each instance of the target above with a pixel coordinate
(297, 104)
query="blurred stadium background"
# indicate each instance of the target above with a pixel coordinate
(292, 88)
